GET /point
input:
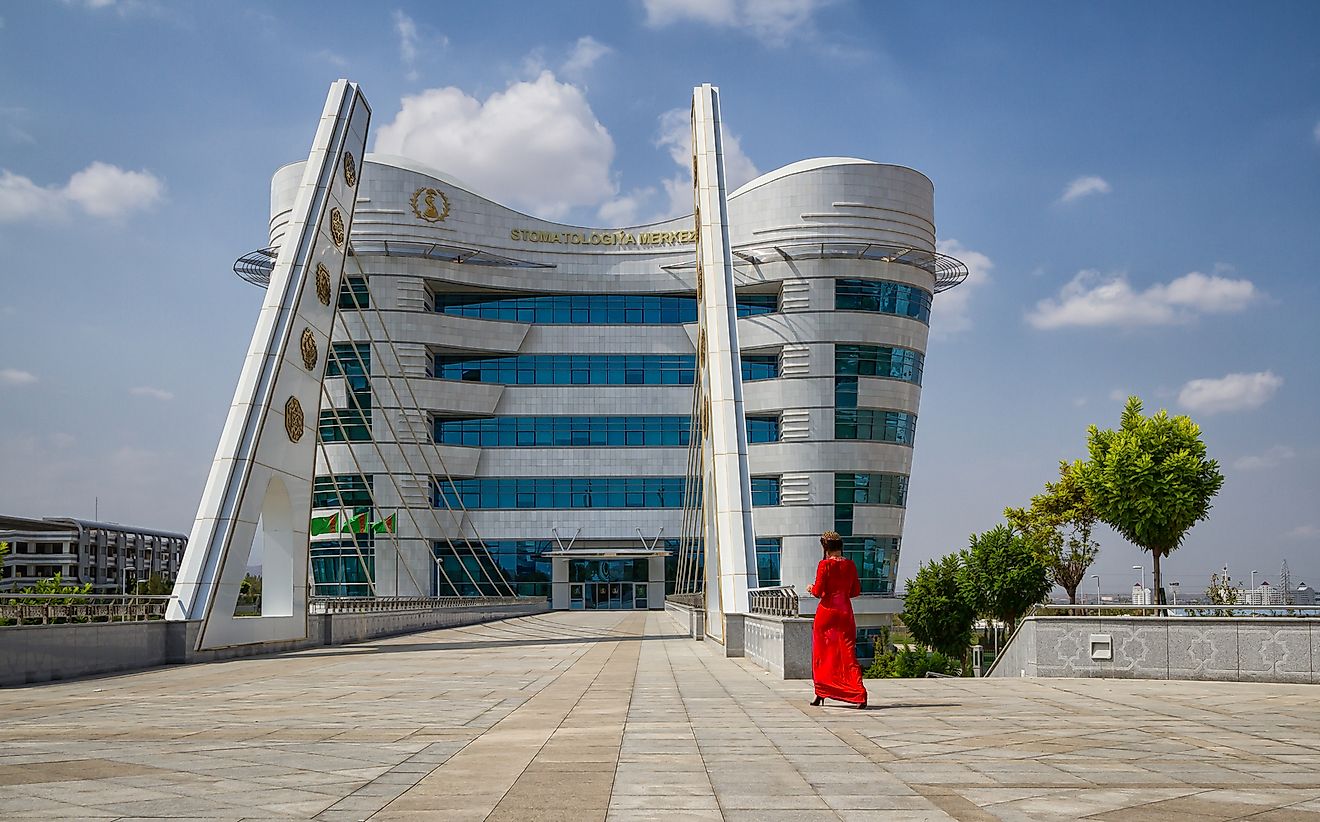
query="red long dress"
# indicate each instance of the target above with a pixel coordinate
(834, 666)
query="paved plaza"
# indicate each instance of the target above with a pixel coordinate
(595, 716)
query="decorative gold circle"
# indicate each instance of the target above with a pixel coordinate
(423, 205)
(350, 170)
(307, 345)
(293, 419)
(336, 226)
(323, 283)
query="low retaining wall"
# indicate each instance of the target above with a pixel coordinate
(690, 619)
(781, 645)
(1255, 649)
(46, 653)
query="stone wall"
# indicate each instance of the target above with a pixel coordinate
(46, 653)
(1260, 649)
(781, 645)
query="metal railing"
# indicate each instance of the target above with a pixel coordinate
(1178, 611)
(780, 600)
(695, 599)
(375, 605)
(53, 609)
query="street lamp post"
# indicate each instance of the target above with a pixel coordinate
(1174, 586)
(1096, 577)
(1253, 579)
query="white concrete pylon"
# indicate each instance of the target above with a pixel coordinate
(265, 462)
(730, 539)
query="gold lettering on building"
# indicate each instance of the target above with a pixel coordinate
(605, 238)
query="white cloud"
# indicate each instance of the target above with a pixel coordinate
(676, 136)
(1232, 392)
(154, 393)
(1303, 532)
(537, 144)
(586, 51)
(624, 210)
(773, 22)
(1092, 300)
(407, 31)
(100, 190)
(1084, 187)
(952, 308)
(14, 376)
(1272, 458)
(1119, 395)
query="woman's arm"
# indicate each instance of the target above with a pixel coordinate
(815, 588)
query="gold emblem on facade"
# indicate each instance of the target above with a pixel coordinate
(337, 227)
(293, 419)
(323, 283)
(307, 345)
(350, 170)
(424, 204)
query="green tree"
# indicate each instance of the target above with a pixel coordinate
(155, 586)
(1150, 480)
(1003, 575)
(1059, 524)
(935, 609)
(1222, 591)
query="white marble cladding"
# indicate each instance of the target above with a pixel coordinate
(833, 199)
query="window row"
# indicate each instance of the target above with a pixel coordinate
(343, 568)
(768, 550)
(591, 309)
(879, 361)
(550, 432)
(345, 425)
(590, 369)
(353, 294)
(876, 559)
(874, 425)
(493, 493)
(883, 297)
(343, 491)
(870, 489)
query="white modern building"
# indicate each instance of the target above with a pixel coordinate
(507, 390)
(110, 556)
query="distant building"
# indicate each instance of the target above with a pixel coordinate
(110, 556)
(1264, 594)
(1304, 594)
(1141, 595)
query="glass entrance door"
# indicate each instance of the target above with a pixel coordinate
(609, 596)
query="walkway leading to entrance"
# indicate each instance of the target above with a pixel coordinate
(611, 715)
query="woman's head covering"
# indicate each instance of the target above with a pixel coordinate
(831, 541)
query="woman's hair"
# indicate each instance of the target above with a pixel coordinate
(831, 541)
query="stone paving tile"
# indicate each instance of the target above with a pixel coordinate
(576, 716)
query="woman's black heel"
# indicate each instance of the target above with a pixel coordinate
(818, 701)
(861, 706)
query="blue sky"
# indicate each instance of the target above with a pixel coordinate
(1136, 185)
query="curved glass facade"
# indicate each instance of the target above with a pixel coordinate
(883, 297)
(876, 559)
(590, 309)
(590, 369)
(560, 492)
(870, 489)
(550, 432)
(873, 424)
(890, 362)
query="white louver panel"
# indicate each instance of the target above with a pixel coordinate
(415, 491)
(413, 425)
(795, 361)
(796, 296)
(411, 294)
(795, 489)
(414, 360)
(794, 424)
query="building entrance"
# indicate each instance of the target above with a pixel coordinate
(607, 596)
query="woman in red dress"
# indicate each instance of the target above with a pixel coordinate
(834, 666)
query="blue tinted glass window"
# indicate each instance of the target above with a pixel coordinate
(353, 294)
(874, 424)
(889, 362)
(884, 297)
(767, 561)
(760, 367)
(348, 359)
(342, 490)
(569, 369)
(345, 425)
(560, 492)
(524, 432)
(765, 491)
(876, 559)
(590, 309)
(344, 568)
(763, 429)
(870, 489)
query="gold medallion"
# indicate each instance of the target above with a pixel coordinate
(307, 345)
(424, 205)
(350, 170)
(337, 227)
(293, 419)
(323, 283)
